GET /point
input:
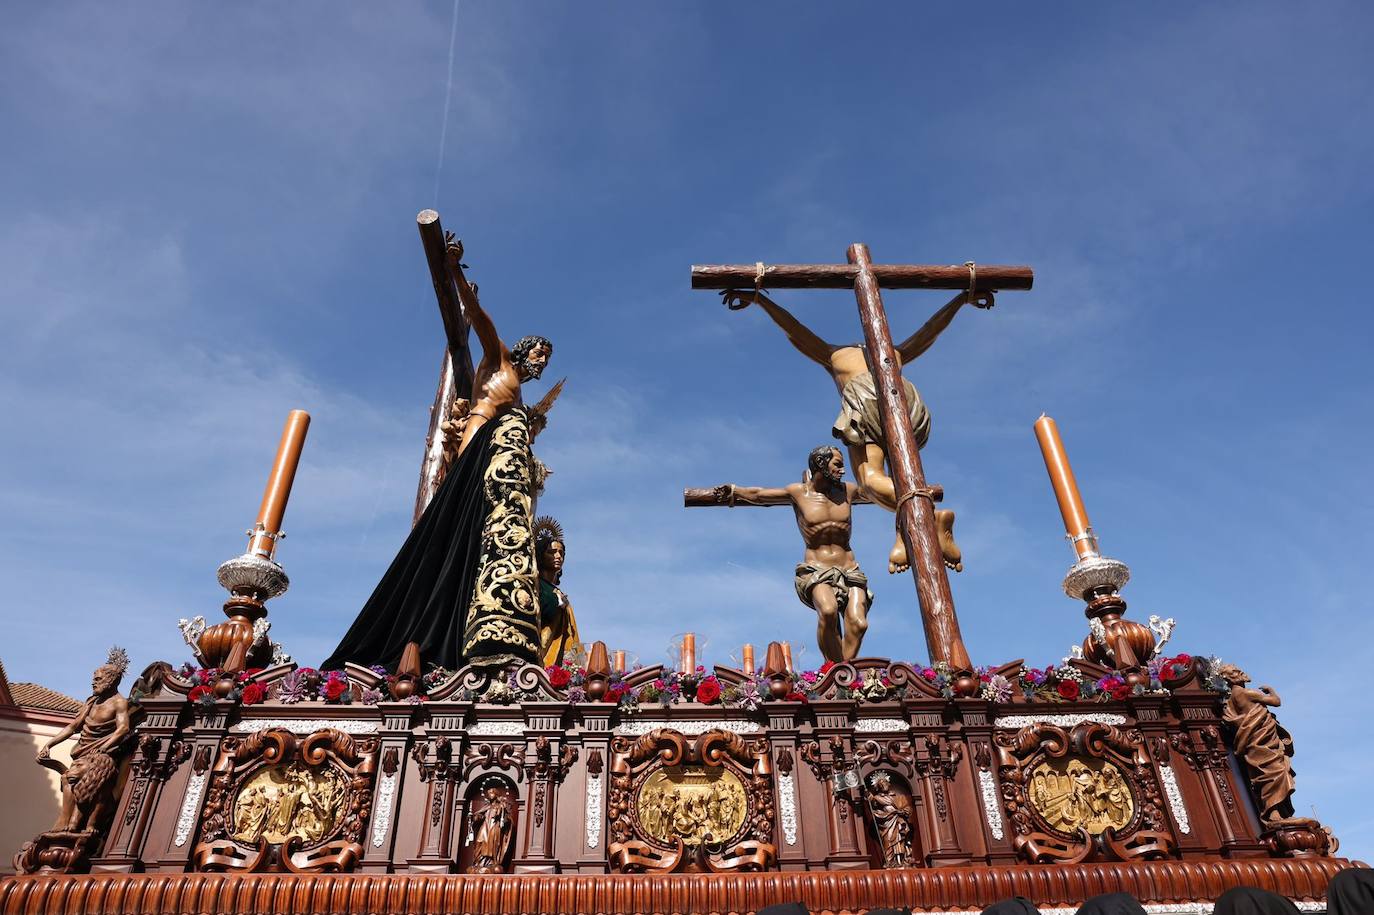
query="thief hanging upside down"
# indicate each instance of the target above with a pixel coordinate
(859, 424)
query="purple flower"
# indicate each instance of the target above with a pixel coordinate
(371, 696)
(997, 689)
(292, 688)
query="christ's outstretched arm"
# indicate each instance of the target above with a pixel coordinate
(801, 336)
(478, 319)
(757, 495)
(912, 347)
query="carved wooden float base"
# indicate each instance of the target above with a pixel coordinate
(939, 889)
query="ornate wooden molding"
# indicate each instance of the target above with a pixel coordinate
(617, 894)
(330, 754)
(635, 848)
(1105, 804)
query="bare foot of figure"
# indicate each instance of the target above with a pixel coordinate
(944, 524)
(896, 560)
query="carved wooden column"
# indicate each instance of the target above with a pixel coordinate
(783, 741)
(189, 786)
(1206, 752)
(978, 788)
(547, 759)
(1156, 722)
(394, 738)
(434, 759)
(596, 756)
(158, 755)
(830, 757)
(937, 761)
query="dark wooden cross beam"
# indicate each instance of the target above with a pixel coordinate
(915, 512)
(455, 372)
(720, 495)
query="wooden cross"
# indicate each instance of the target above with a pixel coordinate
(455, 372)
(915, 500)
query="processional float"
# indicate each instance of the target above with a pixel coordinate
(246, 781)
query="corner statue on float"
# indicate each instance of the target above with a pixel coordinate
(463, 586)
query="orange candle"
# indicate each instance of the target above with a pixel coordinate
(787, 655)
(689, 653)
(619, 661)
(749, 659)
(263, 540)
(1076, 523)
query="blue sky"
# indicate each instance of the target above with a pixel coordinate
(207, 219)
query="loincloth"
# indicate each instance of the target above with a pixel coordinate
(860, 423)
(837, 579)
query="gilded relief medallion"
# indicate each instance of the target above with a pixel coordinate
(1081, 793)
(279, 802)
(693, 803)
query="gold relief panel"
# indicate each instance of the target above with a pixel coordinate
(279, 802)
(1072, 793)
(692, 803)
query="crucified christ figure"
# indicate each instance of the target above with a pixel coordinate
(859, 425)
(828, 579)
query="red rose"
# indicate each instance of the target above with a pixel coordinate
(1183, 659)
(708, 690)
(198, 693)
(253, 693)
(1068, 689)
(825, 668)
(334, 689)
(559, 677)
(1120, 692)
(795, 696)
(614, 695)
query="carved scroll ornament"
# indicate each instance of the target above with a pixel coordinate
(277, 801)
(1086, 793)
(680, 804)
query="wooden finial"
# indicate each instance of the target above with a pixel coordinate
(598, 663)
(410, 661)
(774, 662)
(598, 671)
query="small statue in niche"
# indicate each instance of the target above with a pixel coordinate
(493, 831)
(1261, 742)
(892, 810)
(101, 729)
(557, 623)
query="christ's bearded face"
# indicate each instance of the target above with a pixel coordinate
(833, 469)
(529, 356)
(535, 362)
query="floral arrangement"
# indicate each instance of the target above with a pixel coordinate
(1056, 683)
(304, 684)
(1066, 683)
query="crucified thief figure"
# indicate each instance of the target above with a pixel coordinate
(859, 424)
(828, 579)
